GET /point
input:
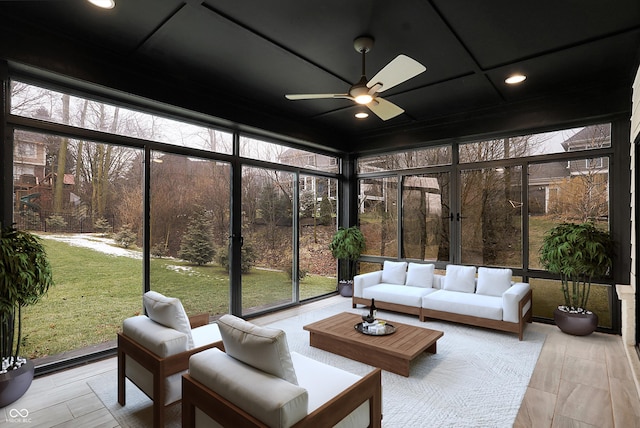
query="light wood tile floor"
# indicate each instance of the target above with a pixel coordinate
(578, 382)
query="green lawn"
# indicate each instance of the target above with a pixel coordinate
(95, 292)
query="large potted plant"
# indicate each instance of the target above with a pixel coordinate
(347, 245)
(25, 276)
(579, 253)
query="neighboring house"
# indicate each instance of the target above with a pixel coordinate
(29, 161)
(29, 158)
(309, 160)
(551, 184)
(33, 186)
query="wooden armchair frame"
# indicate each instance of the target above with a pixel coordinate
(160, 368)
(195, 394)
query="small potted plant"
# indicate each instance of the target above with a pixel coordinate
(347, 245)
(579, 253)
(25, 276)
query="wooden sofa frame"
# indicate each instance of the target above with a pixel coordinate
(160, 368)
(196, 395)
(423, 314)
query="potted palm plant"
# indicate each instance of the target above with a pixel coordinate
(347, 245)
(579, 253)
(25, 276)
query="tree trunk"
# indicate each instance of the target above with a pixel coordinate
(58, 179)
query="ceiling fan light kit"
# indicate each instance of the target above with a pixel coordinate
(365, 91)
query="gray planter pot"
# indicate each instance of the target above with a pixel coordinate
(345, 289)
(15, 383)
(575, 324)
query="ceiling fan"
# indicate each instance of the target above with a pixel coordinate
(366, 92)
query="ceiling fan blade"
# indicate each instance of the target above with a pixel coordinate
(384, 109)
(401, 69)
(314, 96)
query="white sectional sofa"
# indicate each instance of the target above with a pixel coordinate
(485, 297)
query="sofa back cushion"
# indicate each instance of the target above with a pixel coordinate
(261, 347)
(169, 312)
(420, 275)
(460, 278)
(394, 272)
(493, 281)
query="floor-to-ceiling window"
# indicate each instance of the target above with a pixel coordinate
(490, 205)
(573, 189)
(288, 218)
(129, 200)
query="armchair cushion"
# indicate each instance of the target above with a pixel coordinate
(155, 337)
(163, 342)
(493, 281)
(263, 348)
(394, 272)
(460, 278)
(169, 312)
(420, 275)
(282, 405)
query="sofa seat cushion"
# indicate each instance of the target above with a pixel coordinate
(274, 401)
(397, 294)
(323, 382)
(477, 305)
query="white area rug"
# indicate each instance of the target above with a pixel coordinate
(477, 379)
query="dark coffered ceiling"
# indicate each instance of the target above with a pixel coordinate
(242, 57)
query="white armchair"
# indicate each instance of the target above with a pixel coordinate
(258, 383)
(154, 350)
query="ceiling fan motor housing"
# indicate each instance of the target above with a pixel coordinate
(363, 44)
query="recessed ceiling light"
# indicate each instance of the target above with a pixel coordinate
(515, 78)
(104, 4)
(362, 115)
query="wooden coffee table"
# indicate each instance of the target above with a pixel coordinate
(393, 352)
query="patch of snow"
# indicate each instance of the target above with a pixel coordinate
(186, 269)
(96, 243)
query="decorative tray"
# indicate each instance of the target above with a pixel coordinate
(375, 329)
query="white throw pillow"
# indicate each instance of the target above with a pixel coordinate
(493, 281)
(394, 272)
(420, 275)
(169, 312)
(460, 278)
(261, 347)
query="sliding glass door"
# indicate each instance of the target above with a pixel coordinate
(189, 229)
(490, 219)
(267, 253)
